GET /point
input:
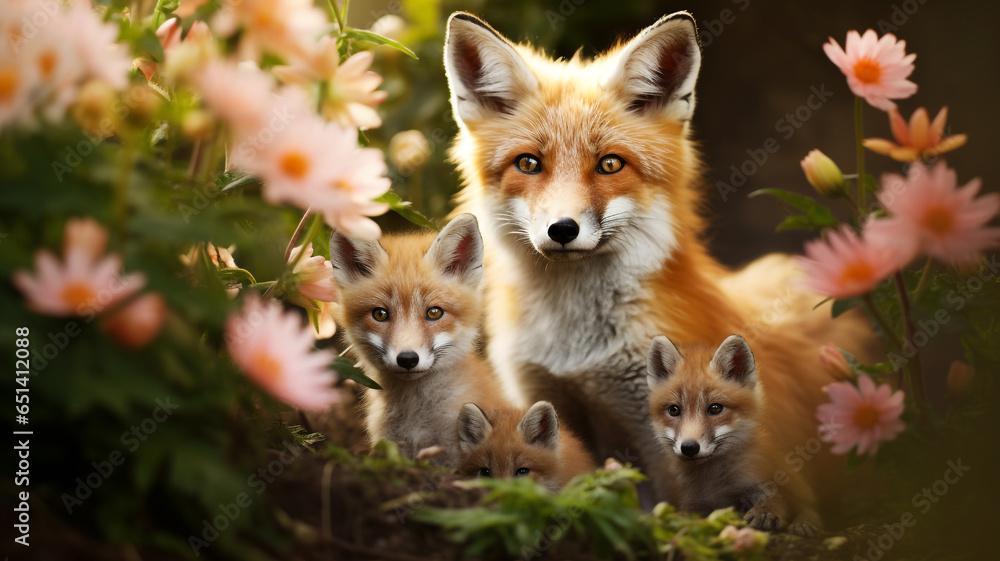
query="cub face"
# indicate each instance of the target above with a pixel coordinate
(411, 304)
(504, 443)
(703, 405)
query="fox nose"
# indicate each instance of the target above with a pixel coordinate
(407, 359)
(690, 448)
(564, 230)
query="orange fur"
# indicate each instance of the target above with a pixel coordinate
(656, 273)
(505, 449)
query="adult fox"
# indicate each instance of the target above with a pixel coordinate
(586, 185)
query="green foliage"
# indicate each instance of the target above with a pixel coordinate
(816, 216)
(597, 513)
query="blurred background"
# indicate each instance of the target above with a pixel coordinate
(761, 63)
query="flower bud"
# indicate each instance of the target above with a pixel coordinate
(197, 124)
(823, 174)
(390, 26)
(143, 103)
(139, 322)
(959, 380)
(408, 151)
(834, 362)
(85, 236)
(93, 109)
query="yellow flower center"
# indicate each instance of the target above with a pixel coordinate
(295, 164)
(343, 184)
(8, 83)
(857, 272)
(267, 368)
(867, 71)
(865, 417)
(47, 63)
(77, 294)
(939, 220)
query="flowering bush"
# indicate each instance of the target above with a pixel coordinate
(156, 164)
(922, 212)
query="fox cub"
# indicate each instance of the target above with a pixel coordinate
(710, 413)
(510, 442)
(411, 311)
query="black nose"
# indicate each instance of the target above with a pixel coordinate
(690, 448)
(407, 359)
(564, 230)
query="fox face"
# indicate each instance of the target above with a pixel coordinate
(505, 444)
(578, 158)
(703, 405)
(411, 303)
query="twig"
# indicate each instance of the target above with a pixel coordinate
(916, 381)
(859, 107)
(923, 278)
(288, 251)
(882, 322)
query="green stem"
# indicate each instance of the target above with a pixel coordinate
(923, 278)
(854, 205)
(291, 245)
(874, 311)
(859, 136)
(338, 15)
(121, 185)
(916, 384)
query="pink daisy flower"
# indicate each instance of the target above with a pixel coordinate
(82, 284)
(876, 69)
(348, 201)
(95, 44)
(274, 349)
(278, 27)
(930, 213)
(846, 265)
(861, 416)
(350, 96)
(921, 138)
(313, 278)
(19, 80)
(240, 95)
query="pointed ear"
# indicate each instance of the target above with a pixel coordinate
(662, 360)
(540, 426)
(734, 361)
(354, 259)
(473, 427)
(657, 70)
(486, 75)
(458, 250)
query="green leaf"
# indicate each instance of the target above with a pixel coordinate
(870, 184)
(841, 306)
(816, 215)
(369, 37)
(405, 209)
(235, 275)
(149, 42)
(347, 369)
(234, 180)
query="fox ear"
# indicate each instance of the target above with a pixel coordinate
(473, 426)
(657, 70)
(485, 73)
(458, 250)
(540, 426)
(734, 361)
(354, 259)
(662, 360)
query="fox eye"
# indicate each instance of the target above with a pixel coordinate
(522, 471)
(485, 472)
(434, 313)
(674, 410)
(715, 409)
(380, 314)
(526, 163)
(610, 164)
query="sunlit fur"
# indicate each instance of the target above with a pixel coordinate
(740, 461)
(505, 448)
(417, 409)
(573, 328)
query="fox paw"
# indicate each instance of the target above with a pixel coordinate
(803, 528)
(761, 519)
